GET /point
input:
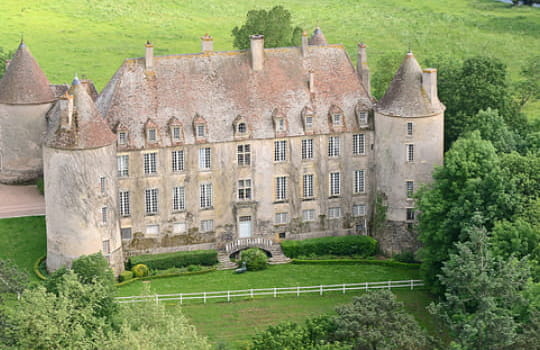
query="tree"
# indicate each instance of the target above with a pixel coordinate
(492, 127)
(469, 182)
(377, 321)
(483, 294)
(528, 87)
(12, 279)
(4, 57)
(274, 24)
(254, 258)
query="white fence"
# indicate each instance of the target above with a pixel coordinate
(228, 295)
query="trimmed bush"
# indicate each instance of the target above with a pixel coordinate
(125, 276)
(358, 261)
(140, 270)
(339, 246)
(178, 259)
(254, 258)
(405, 257)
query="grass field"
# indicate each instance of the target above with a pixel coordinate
(93, 37)
(23, 241)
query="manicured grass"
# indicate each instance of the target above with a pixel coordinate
(289, 275)
(235, 323)
(23, 241)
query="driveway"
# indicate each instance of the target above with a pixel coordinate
(16, 201)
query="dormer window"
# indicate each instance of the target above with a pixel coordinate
(201, 132)
(151, 131)
(175, 131)
(241, 129)
(200, 128)
(337, 118)
(309, 122)
(175, 128)
(362, 115)
(280, 122)
(122, 137)
(281, 125)
(308, 119)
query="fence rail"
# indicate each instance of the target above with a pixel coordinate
(229, 294)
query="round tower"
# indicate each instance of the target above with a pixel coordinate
(25, 99)
(409, 122)
(80, 189)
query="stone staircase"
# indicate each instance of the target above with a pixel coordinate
(225, 262)
(277, 255)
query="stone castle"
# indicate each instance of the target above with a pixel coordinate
(222, 150)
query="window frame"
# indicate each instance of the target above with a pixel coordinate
(307, 149)
(178, 161)
(205, 195)
(205, 158)
(178, 198)
(334, 183)
(245, 191)
(280, 151)
(409, 155)
(359, 181)
(122, 165)
(124, 203)
(281, 189)
(150, 160)
(151, 200)
(334, 146)
(243, 154)
(307, 186)
(359, 144)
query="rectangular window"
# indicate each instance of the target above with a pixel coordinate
(152, 135)
(176, 133)
(363, 117)
(125, 232)
(152, 229)
(179, 227)
(103, 184)
(280, 151)
(206, 196)
(359, 210)
(125, 209)
(200, 131)
(308, 215)
(207, 225)
(410, 214)
(281, 218)
(308, 186)
(179, 200)
(106, 247)
(244, 189)
(359, 185)
(122, 137)
(123, 165)
(307, 149)
(150, 163)
(309, 122)
(104, 215)
(335, 184)
(334, 213)
(410, 188)
(177, 160)
(359, 144)
(204, 158)
(243, 153)
(409, 128)
(410, 153)
(281, 188)
(333, 146)
(336, 118)
(151, 201)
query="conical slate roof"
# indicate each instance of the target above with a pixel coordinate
(24, 82)
(405, 96)
(317, 38)
(88, 128)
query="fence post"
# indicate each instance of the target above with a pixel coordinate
(366, 286)
(157, 299)
(389, 285)
(275, 292)
(204, 297)
(229, 296)
(412, 284)
(251, 293)
(344, 288)
(321, 290)
(298, 291)
(180, 298)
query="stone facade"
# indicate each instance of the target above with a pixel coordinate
(213, 149)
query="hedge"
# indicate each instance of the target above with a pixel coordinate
(177, 259)
(36, 268)
(154, 277)
(340, 246)
(392, 263)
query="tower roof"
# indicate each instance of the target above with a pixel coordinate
(405, 96)
(317, 38)
(88, 129)
(24, 82)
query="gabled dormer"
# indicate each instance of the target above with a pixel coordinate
(280, 123)
(362, 115)
(241, 128)
(200, 129)
(308, 120)
(151, 132)
(176, 131)
(122, 135)
(336, 118)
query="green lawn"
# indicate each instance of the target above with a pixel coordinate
(23, 241)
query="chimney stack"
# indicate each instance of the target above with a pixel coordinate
(305, 43)
(362, 68)
(149, 55)
(311, 81)
(207, 43)
(257, 52)
(429, 84)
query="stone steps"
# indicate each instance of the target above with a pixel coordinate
(224, 262)
(277, 258)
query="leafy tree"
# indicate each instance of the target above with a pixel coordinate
(377, 321)
(528, 87)
(483, 294)
(274, 24)
(4, 57)
(469, 182)
(12, 279)
(386, 66)
(254, 258)
(492, 127)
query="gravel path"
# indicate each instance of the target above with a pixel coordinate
(16, 201)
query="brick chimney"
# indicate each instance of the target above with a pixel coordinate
(429, 84)
(207, 43)
(311, 81)
(305, 43)
(362, 68)
(149, 55)
(257, 51)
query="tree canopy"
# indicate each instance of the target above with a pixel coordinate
(274, 24)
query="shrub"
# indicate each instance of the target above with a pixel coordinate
(40, 184)
(405, 257)
(125, 276)
(93, 267)
(254, 258)
(193, 268)
(140, 270)
(178, 259)
(339, 246)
